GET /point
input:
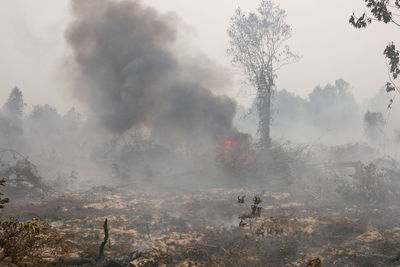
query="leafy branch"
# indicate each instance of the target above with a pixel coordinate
(383, 11)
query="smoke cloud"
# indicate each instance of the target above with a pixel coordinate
(131, 73)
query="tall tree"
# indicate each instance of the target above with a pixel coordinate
(11, 124)
(385, 11)
(374, 126)
(257, 45)
(14, 107)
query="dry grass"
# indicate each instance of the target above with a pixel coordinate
(202, 229)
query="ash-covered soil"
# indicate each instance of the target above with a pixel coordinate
(201, 228)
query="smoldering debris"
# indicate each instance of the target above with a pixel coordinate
(203, 227)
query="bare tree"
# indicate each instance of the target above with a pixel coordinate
(257, 45)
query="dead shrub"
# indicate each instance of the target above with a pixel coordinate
(32, 242)
(369, 184)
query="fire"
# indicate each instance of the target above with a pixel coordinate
(234, 151)
(226, 142)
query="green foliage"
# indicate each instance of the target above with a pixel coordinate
(30, 242)
(380, 10)
(383, 11)
(360, 22)
(393, 56)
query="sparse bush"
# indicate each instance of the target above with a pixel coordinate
(369, 184)
(374, 126)
(245, 218)
(314, 263)
(349, 152)
(23, 180)
(2, 200)
(281, 164)
(31, 242)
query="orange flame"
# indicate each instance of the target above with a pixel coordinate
(234, 151)
(227, 142)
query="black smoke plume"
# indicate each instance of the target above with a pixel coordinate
(131, 73)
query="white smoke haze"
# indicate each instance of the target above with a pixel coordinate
(157, 109)
(156, 143)
(330, 115)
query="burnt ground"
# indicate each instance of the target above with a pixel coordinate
(201, 228)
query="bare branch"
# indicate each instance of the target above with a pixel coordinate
(101, 250)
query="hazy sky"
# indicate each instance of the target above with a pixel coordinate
(34, 50)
